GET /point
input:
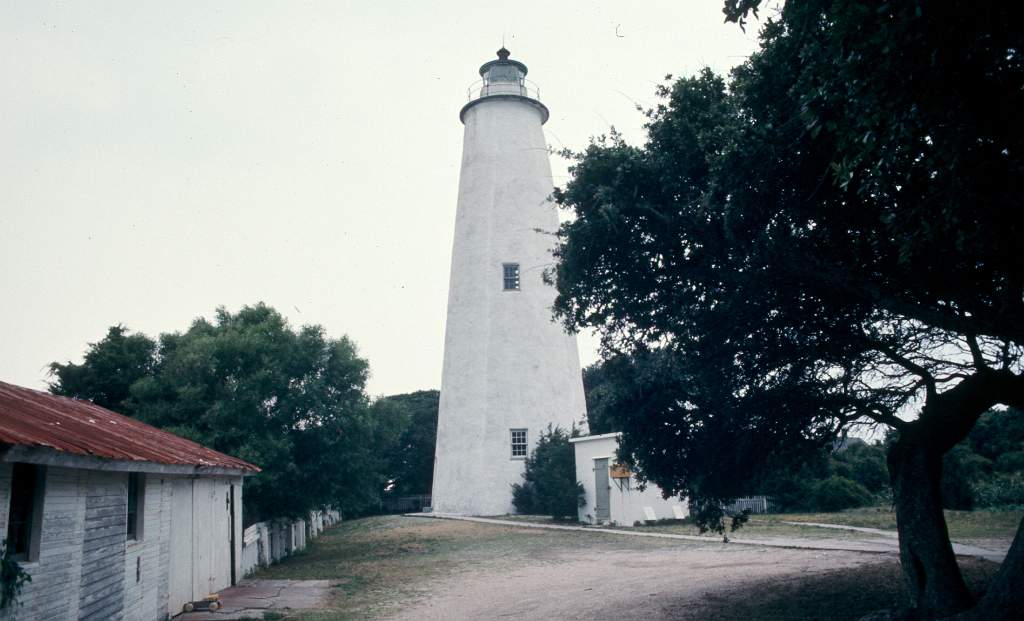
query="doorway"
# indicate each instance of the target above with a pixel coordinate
(602, 508)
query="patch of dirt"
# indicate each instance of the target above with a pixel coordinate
(654, 585)
(996, 545)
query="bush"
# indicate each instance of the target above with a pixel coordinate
(12, 578)
(549, 482)
(837, 493)
(1010, 462)
(1002, 490)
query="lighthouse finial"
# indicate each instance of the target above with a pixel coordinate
(503, 53)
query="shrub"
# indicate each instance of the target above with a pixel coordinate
(1002, 490)
(12, 577)
(1010, 462)
(837, 493)
(549, 482)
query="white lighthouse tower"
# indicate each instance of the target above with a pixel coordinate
(509, 370)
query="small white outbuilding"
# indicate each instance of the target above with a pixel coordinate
(612, 494)
(112, 518)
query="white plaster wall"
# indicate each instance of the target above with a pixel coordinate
(626, 501)
(506, 363)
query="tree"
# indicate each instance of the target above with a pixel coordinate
(110, 367)
(410, 468)
(549, 484)
(247, 384)
(828, 239)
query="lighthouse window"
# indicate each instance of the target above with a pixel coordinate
(518, 443)
(511, 276)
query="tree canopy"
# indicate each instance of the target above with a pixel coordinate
(410, 467)
(825, 239)
(247, 384)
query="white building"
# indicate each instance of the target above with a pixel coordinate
(112, 518)
(509, 370)
(612, 495)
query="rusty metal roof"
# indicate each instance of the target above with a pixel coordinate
(38, 419)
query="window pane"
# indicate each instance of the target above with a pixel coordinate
(133, 499)
(510, 276)
(24, 487)
(519, 444)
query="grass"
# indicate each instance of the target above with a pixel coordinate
(754, 529)
(981, 526)
(376, 563)
(963, 525)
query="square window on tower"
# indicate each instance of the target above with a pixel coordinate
(510, 276)
(519, 444)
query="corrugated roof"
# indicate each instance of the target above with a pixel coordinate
(34, 418)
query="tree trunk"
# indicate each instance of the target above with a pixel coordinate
(1005, 596)
(933, 577)
(929, 566)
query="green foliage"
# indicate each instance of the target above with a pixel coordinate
(837, 493)
(1000, 491)
(999, 433)
(599, 388)
(549, 481)
(410, 467)
(862, 463)
(12, 578)
(247, 384)
(985, 471)
(828, 236)
(110, 368)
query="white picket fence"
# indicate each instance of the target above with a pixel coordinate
(755, 504)
(265, 543)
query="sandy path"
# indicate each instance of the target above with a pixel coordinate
(653, 585)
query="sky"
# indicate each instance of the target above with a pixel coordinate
(161, 159)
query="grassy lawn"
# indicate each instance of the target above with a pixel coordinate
(380, 561)
(380, 564)
(754, 529)
(968, 525)
(979, 527)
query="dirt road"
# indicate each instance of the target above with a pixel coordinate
(653, 585)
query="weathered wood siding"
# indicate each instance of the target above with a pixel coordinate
(48, 596)
(101, 592)
(145, 576)
(87, 569)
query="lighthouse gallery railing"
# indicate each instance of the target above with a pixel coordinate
(521, 87)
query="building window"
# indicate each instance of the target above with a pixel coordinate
(136, 505)
(25, 518)
(519, 444)
(510, 276)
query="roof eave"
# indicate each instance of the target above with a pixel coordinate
(45, 456)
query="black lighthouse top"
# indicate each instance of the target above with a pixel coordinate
(503, 69)
(504, 79)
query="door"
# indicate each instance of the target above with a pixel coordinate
(180, 587)
(602, 509)
(204, 533)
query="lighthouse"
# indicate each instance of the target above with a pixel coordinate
(509, 370)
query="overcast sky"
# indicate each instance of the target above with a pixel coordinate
(160, 159)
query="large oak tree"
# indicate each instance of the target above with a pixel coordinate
(291, 401)
(829, 238)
